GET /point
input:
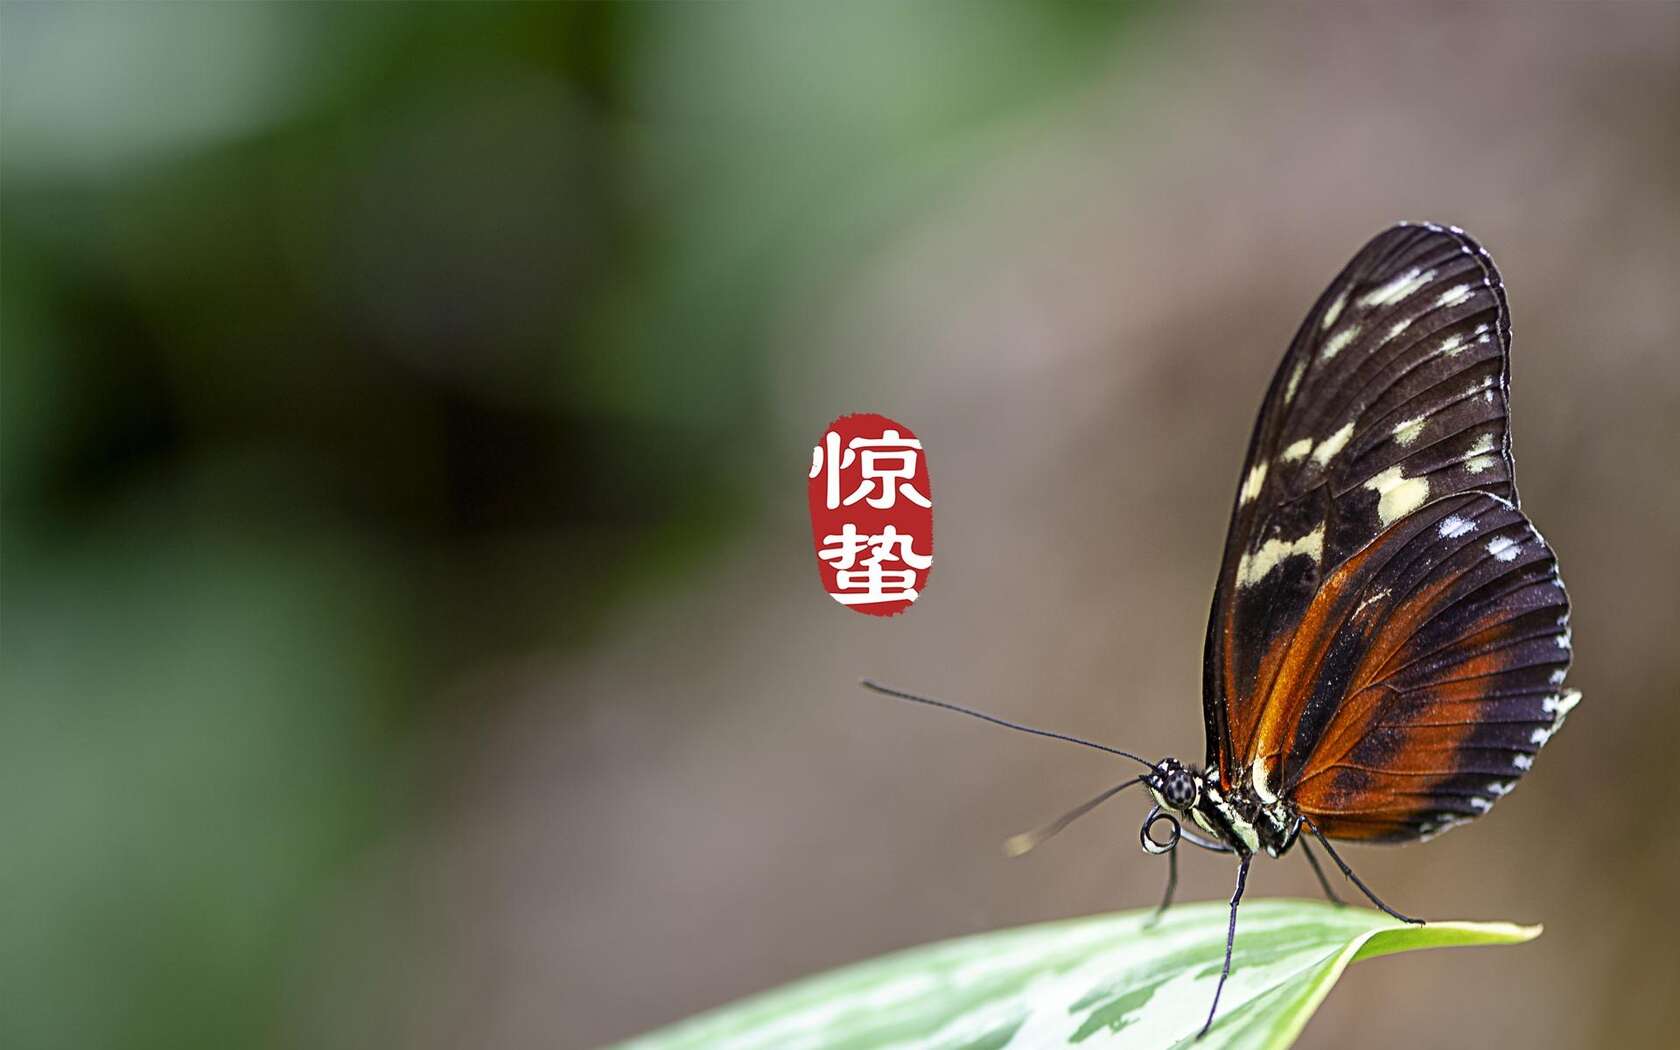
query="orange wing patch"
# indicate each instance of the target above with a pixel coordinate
(1421, 680)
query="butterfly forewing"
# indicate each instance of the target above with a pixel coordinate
(1392, 398)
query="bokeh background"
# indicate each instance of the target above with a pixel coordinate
(411, 635)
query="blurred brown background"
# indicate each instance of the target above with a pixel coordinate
(411, 636)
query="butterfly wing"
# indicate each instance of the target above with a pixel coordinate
(1393, 394)
(1426, 674)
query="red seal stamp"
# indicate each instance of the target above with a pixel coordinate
(871, 513)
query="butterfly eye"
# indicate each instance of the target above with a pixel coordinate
(1180, 791)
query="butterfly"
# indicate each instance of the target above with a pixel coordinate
(1389, 635)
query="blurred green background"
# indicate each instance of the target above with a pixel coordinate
(410, 635)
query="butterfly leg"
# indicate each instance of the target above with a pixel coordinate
(1230, 939)
(1191, 837)
(1366, 890)
(1322, 881)
(1172, 884)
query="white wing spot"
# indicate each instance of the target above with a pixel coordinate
(1522, 761)
(1454, 295)
(1398, 288)
(1540, 736)
(1559, 706)
(1479, 460)
(1399, 326)
(1453, 346)
(1255, 565)
(1503, 548)
(1410, 430)
(1446, 823)
(1397, 494)
(1335, 310)
(1559, 675)
(1252, 485)
(1294, 382)
(1453, 526)
(1332, 445)
(1564, 639)
(1481, 804)
(1500, 787)
(1297, 451)
(1338, 342)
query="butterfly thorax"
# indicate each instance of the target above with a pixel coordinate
(1238, 818)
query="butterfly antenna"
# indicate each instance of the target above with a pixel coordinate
(1016, 845)
(961, 710)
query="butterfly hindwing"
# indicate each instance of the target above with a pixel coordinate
(1393, 395)
(1427, 673)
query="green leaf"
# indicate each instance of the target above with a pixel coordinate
(1107, 980)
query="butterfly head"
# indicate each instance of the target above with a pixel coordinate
(1175, 786)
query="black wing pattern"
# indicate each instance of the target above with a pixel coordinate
(1393, 395)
